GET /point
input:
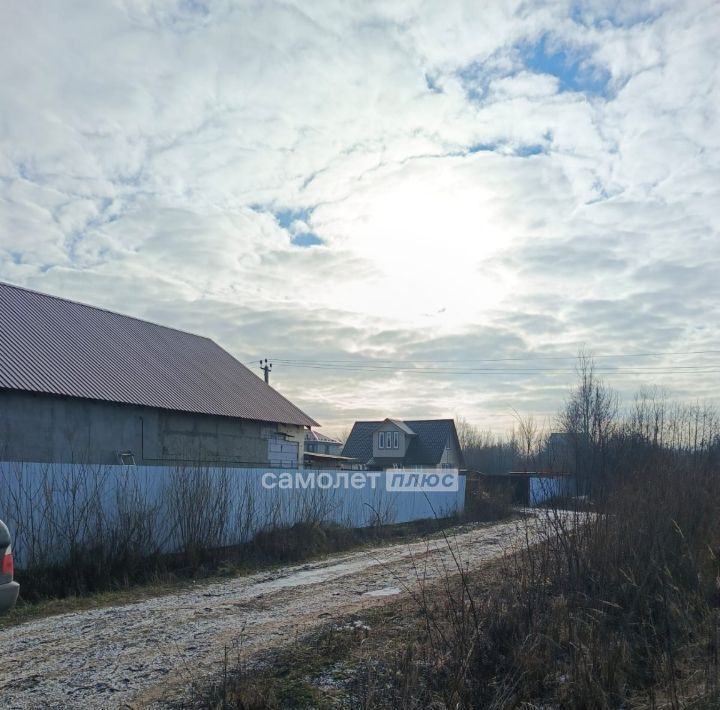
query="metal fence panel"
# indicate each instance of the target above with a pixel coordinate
(55, 506)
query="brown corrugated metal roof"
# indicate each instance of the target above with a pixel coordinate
(55, 346)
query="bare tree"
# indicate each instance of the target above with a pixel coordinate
(590, 420)
(531, 438)
(649, 415)
(468, 434)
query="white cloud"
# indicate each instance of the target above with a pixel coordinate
(147, 146)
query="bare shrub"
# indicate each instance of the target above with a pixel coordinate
(197, 509)
(605, 609)
(77, 528)
(488, 499)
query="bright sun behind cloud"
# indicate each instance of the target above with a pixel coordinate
(430, 234)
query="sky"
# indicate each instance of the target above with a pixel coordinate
(387, 199)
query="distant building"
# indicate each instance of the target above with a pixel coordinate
(393, 443)
(323, 451)
(82, 384)
(318, 443)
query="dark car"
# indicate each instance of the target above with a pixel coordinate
(8, 589)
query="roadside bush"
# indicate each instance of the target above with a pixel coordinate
(293, 543)
(606, 609)
(488, 502)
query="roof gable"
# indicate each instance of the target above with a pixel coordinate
(55, 346)
(402, 426)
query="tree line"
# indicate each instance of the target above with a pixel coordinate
(595, 438)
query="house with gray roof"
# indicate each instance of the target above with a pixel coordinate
(83, 384)
(393, 443)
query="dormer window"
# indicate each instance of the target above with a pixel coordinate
(391, 439)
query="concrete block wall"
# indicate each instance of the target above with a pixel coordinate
(52, 429)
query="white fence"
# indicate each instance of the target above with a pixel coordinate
(52, 507)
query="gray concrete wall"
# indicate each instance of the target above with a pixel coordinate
(46, 428)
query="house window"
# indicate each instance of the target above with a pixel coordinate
(381, 440)
(396, 440)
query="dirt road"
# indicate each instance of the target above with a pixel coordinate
(135, 655)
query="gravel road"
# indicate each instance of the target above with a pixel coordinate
(140, 654)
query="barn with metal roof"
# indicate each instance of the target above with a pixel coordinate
(83, 384)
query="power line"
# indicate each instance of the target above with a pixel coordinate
(444, 367)
(659, 370)
(507, 359)
(322, 364)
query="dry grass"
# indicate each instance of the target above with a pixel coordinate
(619, 611)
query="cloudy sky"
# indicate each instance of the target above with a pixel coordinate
(388, 199)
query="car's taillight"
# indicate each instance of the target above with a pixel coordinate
(7, 565)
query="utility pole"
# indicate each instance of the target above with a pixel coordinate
(266, 367)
